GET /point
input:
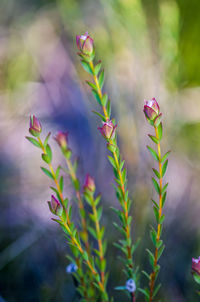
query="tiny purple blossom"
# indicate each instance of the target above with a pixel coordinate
(130, 285)
(85, 44)
(35, 126)
(196, 265)
(71, 268)
(108, 129)
(62, 139)
(89, 183)
(151, 109)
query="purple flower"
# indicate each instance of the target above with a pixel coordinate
(130, 285)
(85, 44)
(71, 268)
(152, 110)
(89, 183)
(54, 205)
(62, 139)
(35, 126)
(196, 265)
(108, 129)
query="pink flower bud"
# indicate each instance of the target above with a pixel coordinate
(151, 109)
(85, 44)
(196, 265)
(54, 205)
(35, 126)
(62, 139)
(89, 183)
(108, 129)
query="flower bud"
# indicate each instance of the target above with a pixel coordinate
(152, 110)
(62, 139)
(89, 183)
(35, 126)
(196, 265)
(108, 129)
(130, 285)
(71, 268)
(54, 205)
(85, 44)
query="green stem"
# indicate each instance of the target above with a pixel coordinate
(122, 185)
(80, 204)
(67, 225)
(153, 274)
(100, 244)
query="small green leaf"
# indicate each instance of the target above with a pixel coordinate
(92, 85)
(153, 236)
(61, 183)
(99, 213)
(87, 67)
(49, 152)
(165, 156)
(112, 161)
(159, 243)
(120, 288)
(156, 173)
(153, 153)
(33, 141)
(156, 213)
(97, 68)
(196, 277)
(58, 171)
(162, 219)
(146, 275)
(156, 290)
(159, 128)
(104, 99)
(108, 107)
(155, 204)
(46, 158)
(164, 199)
(100, 115)
(160, 251)
(101, 79)
(153, 138)
(156, 186)
(96, 96)
(46, 139)
(124, 175)
(145, 292)
(151, 257)
(47, 172)
(164, 167)
(92, 232)
(164, 188)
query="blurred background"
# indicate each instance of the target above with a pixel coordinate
(150, 49)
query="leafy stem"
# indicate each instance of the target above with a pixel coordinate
(76, 185)
(153, 274)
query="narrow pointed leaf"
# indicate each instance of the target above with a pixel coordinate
(153, 153)
(165, 156)
(33, 141)
(47, 172)
(101, 79)
(87, 67)
(164, 167)
(156, 186)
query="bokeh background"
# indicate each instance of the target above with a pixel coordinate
(149, 49)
